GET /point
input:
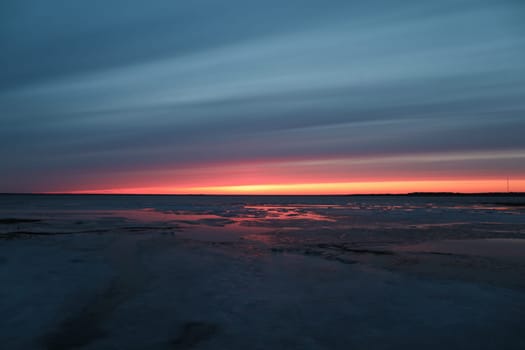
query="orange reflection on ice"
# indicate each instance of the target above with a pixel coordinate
(290, 212)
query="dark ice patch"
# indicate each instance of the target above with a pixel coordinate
(10, 221)
(193, 333)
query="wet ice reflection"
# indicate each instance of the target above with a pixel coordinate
(251, 218)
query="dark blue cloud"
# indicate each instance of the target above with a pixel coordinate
(98, 86)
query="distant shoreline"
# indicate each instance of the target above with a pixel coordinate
(412, 194)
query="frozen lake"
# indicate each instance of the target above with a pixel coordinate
(262, 272)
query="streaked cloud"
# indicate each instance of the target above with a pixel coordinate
(99, 89)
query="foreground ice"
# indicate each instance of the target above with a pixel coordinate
(261, 272)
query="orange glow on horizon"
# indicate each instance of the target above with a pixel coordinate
(464, 172)
(373, 187)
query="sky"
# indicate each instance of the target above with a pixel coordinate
(243, 96)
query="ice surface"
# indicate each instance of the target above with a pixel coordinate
(169, 272)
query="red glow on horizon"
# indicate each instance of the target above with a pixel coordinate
(375, 187)
(444, 172)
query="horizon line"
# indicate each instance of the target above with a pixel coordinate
(418, 193)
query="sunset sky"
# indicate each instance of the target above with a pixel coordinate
(242, 96)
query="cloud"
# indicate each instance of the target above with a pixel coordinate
(100, 87)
